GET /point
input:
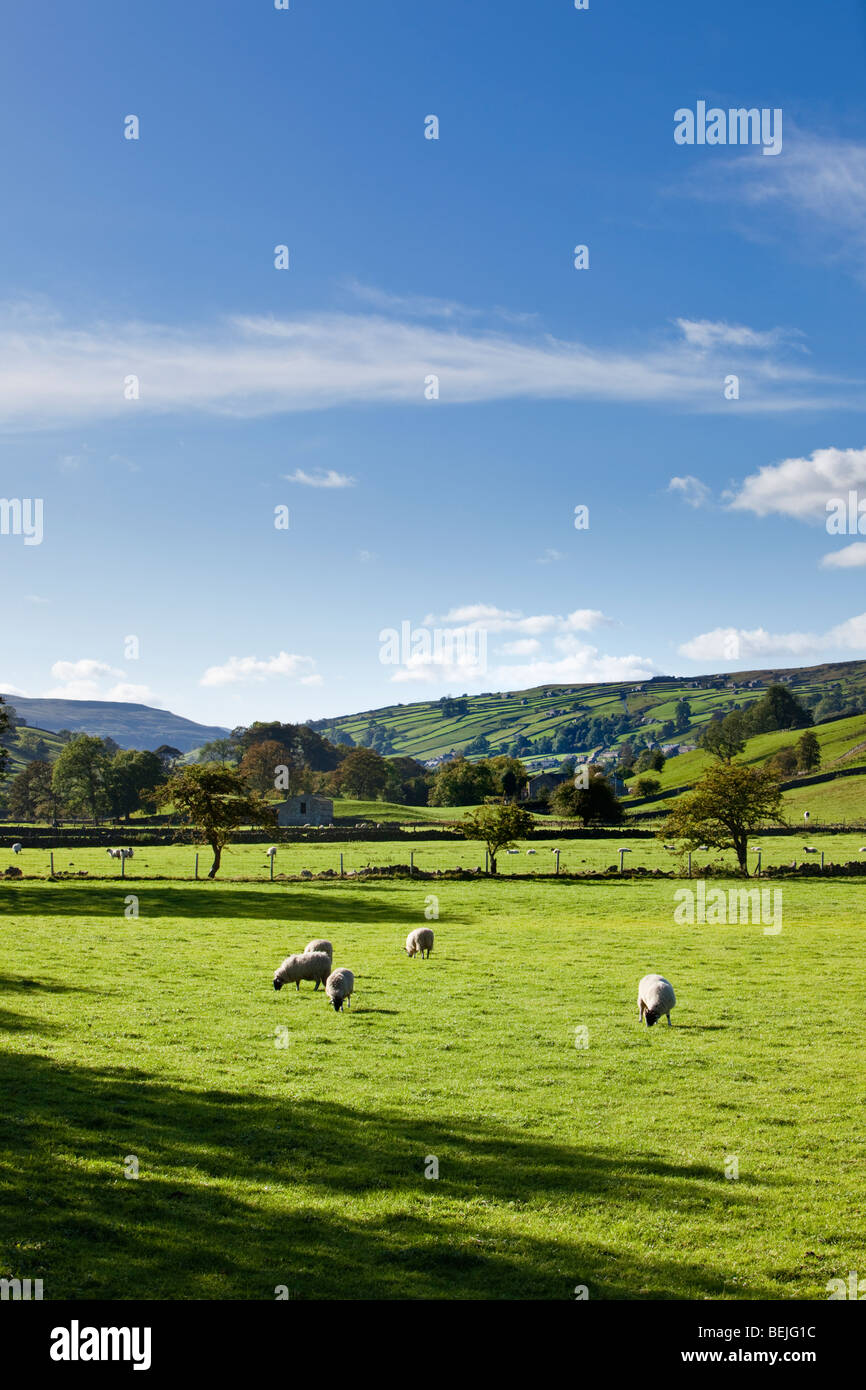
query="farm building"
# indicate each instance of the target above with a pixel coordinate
(542, 781)
(306, 810)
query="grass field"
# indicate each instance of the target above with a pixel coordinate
(575, 856)
(160, 1038)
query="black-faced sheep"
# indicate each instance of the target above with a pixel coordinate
(316, 966)
(339, 987)
(655, 997)
(421, 939)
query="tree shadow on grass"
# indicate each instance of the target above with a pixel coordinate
(25, 984)
(331, 903)
(239, 1193)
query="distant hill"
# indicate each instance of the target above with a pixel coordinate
(131, 726)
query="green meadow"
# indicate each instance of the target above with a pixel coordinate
(279, 1145)
(576, 856)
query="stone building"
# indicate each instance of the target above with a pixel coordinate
(306, 810)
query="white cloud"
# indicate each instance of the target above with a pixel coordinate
(850, 557)
(585, 664)
(816, 188)
(708, 333)
(135, 694)
(743, 645)
(586, 619)
(523, 646)
(850, 634)
(7, 690)
(245, 669)
(691, 489)
(549, 557)
(329, 479)
(36, 598)
(247, 366)
(802, 487)
(86, 680)
(740, 644)
(476, 617)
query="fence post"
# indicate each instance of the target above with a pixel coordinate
(52, 863)
(196, 863)
(341, 866)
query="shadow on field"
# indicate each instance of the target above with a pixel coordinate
(22, 984)
(217, 1212)
(333, 903)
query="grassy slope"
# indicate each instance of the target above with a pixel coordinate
(419, 729)
(19, 758)
(304, 1165)
(838, 741)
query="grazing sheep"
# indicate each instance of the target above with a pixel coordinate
(655, 996)
(114, 853)
(316, 966)
(421, 939)
(339, 987)
(17, 847)
(272, 851)
(322, 946)
(126, 854)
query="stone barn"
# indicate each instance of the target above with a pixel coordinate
(306, 810)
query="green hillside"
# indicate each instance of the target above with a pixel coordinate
(545, 715)
(25, 745)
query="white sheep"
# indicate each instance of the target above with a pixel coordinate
(316, 967)
(421, 939)
(17, 847)
(339, 987)
(322, 946)
(272, 851)
(114, 853)
(126, 854)
(655, 996)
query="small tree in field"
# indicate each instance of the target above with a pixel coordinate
(498, 827)
(595, 803)
(215, 800)
(647, 786)
(728, 803)
(808, 751)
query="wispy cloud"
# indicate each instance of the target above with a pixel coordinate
(549, 557)
(690, 489)
(53, 372)
(489, 618)
(817, 184)
(328, 479)
(249, 669)
(709, 333)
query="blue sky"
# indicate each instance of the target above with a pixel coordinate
(408, 258)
